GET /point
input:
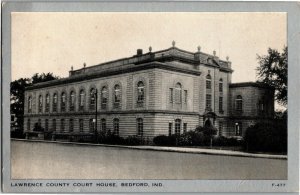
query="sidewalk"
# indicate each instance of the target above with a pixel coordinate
(175, 149)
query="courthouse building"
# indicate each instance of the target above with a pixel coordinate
(155, 93)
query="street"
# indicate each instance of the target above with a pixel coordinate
(38, 160)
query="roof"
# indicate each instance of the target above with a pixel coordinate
(250, 84)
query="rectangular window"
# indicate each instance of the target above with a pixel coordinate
(238, 129)
(184, 127)
(208, 101)
(62, 125)
(140, 127)
(177, 126)
(54, 125)
(71, 126)
(92, 125)
(46, 125)
(220, 87)
(185, 96)
(221, 104)
(220, 128)
(171, 95)
(208, 84)
(81, 125)
(170, 128)
(103, 124)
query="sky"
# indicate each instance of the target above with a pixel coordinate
(53, 42)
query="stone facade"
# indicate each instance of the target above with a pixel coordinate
(156, 93)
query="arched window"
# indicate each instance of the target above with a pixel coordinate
(208, 81)
(40, 103)
(177, 126)
(116, 126)
(71, 125)
(63, 102)
(54, 124)
(239, 103)
(140, 126)
(178, 93)
(141, 92)
(72, 101)
(47, 102)
(81, 99)
(28, 125)
(104, 97)
(29, 104)
(54, 107)
(92, 98)
(221, 85)
(103, 124)
(117, 96)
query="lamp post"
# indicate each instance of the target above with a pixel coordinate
(96, 113)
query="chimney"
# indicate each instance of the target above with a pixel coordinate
(139, 52)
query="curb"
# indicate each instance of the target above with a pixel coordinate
(170, 149)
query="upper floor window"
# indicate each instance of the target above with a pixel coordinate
(208, 81)
(72, 101)
(208, 101)
(221, 104)
(185, 97)
(178, 93)
(239, 103)
(140, 126)
(63, 102)
(47, 103)
(221, 85)
(29, 104)
(117, 96)
(104, 97)
(141, 92)
(92, 98)
(171, 95)
(40, 103)
(116, 126)
(81, 99)
(54, 106)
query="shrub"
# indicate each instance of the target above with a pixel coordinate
(267, 137)
(132, 141)
(163, 140)
(224, 141)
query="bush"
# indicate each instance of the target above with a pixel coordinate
(133, 141)
(267, 137)
(163, 140)
(223, 141)
(18, 133)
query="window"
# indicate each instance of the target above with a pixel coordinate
(221, 104)
(141, 92)
(117, 96)
(221, 85)
(63, 102)
(208, 81)
(62, 125)
(46, 125)
(47, 103)
(178, 93)
(28, 124)
(238, 129)
(220, 128)
(185, 96)
(81, 99)
(92, 98)
(81, 125)
(103, 124)
(92, 125)
(208, 101)
(177, 126)
(54, 124)
(116, 126)
(184, 127)
(170, 128)
(72, 101)
(29, 104)
(239, 103)
(71, 125)
(140, 126)
(171, 95)
(54, 106)
(40, 103)
(104, 97)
